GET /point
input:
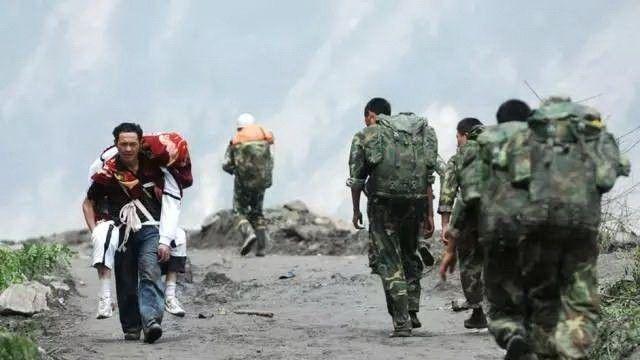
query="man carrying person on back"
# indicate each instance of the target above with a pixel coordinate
(105, 236)
(131, 184)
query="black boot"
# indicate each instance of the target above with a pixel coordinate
(261, 242)
(477, 320)
(248, 244)
(415, 322)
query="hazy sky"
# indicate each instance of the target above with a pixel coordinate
(72, 70)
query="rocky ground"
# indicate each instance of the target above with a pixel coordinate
(315, 282)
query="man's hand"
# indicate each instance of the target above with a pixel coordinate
(443, 236)
(164, 253)
(357, 220)
(429, 227)
(448, 264)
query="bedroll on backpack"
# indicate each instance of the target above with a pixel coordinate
(253, 164)
(403, 154)
(567, 160)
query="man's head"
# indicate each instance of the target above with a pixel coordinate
(375, 107)
(127, 137)
(464, 127)
(513, 110)
(245, 119)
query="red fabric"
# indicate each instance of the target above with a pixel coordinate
(163, 149)
(170, 149)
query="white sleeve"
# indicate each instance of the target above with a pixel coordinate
(171, 206)
(97, 164)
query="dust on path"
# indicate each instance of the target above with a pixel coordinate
(332, 309)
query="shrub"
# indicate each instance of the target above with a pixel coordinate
(619, 329)
(17, 347)
(30, 262)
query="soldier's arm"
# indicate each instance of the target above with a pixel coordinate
(357, 177)
(448, 191)
(228, 165)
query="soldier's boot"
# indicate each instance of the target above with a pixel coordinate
(477, 320)
(519, 349)
(415, 322)
(261, 243)
(425, 255)
(248, 244)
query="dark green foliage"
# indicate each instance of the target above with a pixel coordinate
(17, 347)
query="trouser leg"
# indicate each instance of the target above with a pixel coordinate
(126, 275)
(471, 258)
(505, 293)
(385, 241)
(151, 288)
(577, 326)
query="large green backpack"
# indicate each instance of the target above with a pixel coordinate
(403, 152)
(253, 164)
(567, 160)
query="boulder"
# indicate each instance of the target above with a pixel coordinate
(24, 299)
(292, 229)
(297, 206)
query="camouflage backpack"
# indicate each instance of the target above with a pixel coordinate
(469, 175)
(567, 160)
(489, 185)
(253, 164)
(403, 153)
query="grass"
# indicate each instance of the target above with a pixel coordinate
(619, 329)
(17, 347)
(31, 262)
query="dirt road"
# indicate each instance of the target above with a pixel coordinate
(332, 309)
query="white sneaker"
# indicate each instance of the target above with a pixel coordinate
(105, 308)
(172, 306)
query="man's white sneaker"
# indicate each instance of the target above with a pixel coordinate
(172, 306)
(105, 308)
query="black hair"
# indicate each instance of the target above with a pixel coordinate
(465, 125)
(127, 128)
(513, 110)
(377, 106)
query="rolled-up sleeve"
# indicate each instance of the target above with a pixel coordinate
(357, 164)
(448, 187)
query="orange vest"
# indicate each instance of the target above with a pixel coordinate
(252, 133)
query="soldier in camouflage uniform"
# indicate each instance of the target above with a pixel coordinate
(541, 232)
(248, 158)
(468, 250)
(393, 160)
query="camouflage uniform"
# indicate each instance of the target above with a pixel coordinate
(469, 252)
(247, 202)
(500, 233)
(542, 258)
(394, 230)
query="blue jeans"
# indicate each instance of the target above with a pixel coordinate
(139, 284)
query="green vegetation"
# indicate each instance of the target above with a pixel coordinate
(17, 347)
(30, 262)
(619, 330)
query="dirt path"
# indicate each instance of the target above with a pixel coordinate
(332, 309)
